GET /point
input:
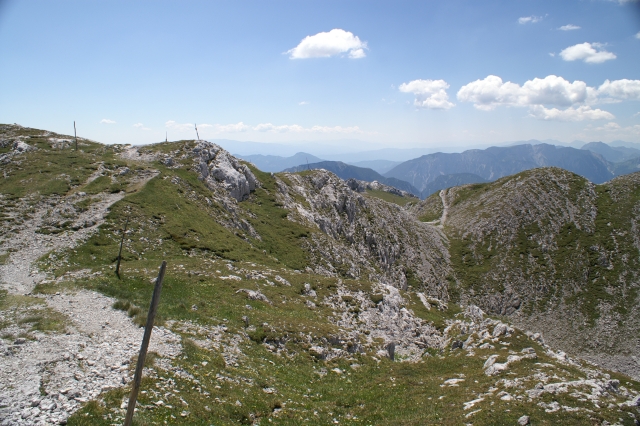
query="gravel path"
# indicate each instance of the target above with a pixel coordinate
(18, 274)
(43, 381)
(445, 207)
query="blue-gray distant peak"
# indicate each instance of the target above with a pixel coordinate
(347, 171)
(275, 163)
(496, 162)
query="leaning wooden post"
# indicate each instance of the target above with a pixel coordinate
(391, 349)
(124, 231)
(137, 379)
(75, 135)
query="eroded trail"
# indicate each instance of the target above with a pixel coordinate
(45, 377)
(445, 207)
(18, 275)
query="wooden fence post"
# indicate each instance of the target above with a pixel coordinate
(75, 135)
(124, 231)
(137, 378)
(391, 349)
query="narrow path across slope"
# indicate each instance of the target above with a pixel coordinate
(45, 378)
(445, 206)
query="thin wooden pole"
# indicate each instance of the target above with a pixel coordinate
(137, 379)
(75, 135)
(196, 126)
(124, 231)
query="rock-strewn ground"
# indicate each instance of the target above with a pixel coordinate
(367, 332)
(45, 377)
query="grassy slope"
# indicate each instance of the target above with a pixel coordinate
(171, 220)
(558, 263)
(390, 198)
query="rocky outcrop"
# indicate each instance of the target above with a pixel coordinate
(364, 236)
(215, 165)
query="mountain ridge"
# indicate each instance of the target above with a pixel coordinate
(496, 162)
(301, 298)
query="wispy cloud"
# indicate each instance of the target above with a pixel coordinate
(303, 103)
(141, 126)
(107, 121)
(230, 128)
(569, 27)
(570, 114)
(180, 127)
(591, 53)
(295, 128)
(609, 127)
(638, 35)
(327, 44)
(529, 19)
(430, 94)
(613, 129)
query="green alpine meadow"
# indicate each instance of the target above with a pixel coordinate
(297, 298)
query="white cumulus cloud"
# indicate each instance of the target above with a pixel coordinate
(591, 53)
(539, 94)
(580, 113)
(327, 44)
(141, 126)
(552, 90)
(107, 121)
(618, 90)
(529, 19)
(569, 27)
(431, 94)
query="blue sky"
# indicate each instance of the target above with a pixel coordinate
(393, 73)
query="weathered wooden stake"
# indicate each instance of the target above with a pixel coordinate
(391, 348)
(196, 126)
(75, 135)
(137, 379)
(124, 231)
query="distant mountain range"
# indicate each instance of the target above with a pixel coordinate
(422, 176)
(496, 162)
(380, 166)
(275, 163)
(347, 171)
(615, 154)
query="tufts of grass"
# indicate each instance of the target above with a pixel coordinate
(390, 198)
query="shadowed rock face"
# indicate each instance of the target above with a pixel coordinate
(214, 165)
(364, 236)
